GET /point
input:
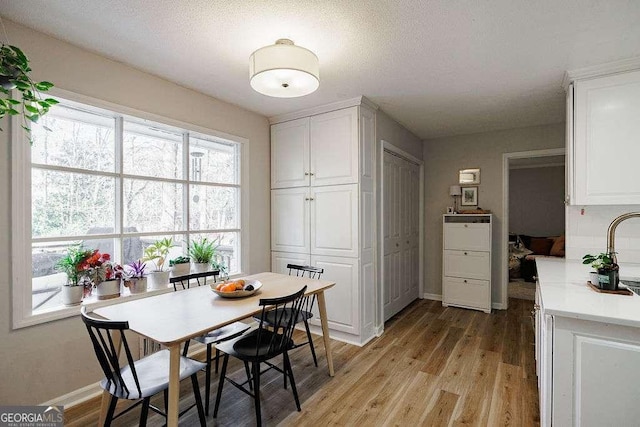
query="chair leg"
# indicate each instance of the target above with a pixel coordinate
(165, 395)
(185, 349)
(284, 368)
(207, 378)
(246, 369)
(256, 392)
(221, 379)
(313, 350)
(145, 412)
(196, 395)
(111, 411)
(287, 369)
(217, 359)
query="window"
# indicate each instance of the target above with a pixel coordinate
(117, 183)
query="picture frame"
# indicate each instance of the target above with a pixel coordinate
(469, 176)
(469, 196)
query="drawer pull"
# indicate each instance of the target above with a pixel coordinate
(466, 253)
(465, 280)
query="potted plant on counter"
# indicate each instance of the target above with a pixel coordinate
(608, 271)
(201, 253)
(157, 253)
(71, 264)
(110, 286)
(134, 277)
(180, 266)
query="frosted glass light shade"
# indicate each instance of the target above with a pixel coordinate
(284, 70)
(455, 190)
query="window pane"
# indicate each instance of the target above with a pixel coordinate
(213, 208)
(46, 280)
(77, 139)
(133, 248)
(152, 205)
(67, 204)
(152, 152)
(228, 250)
(213, 161)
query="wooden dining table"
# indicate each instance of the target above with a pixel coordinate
(174, 318)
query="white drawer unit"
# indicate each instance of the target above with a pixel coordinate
(466, 269)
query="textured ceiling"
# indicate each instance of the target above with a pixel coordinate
(440, 68)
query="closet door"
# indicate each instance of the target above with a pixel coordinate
(401, 188)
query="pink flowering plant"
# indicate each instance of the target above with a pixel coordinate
(94, 268)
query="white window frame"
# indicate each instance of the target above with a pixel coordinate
(22, 315)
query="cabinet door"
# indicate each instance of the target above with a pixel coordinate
(290, 154)
(468, 264)
(334, 147)
(343, 311)
(466, 293)
(334, 220)
(467, 236)
(290, 220)
(279, 261)
(607, 140)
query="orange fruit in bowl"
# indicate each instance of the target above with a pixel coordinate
(219, 286)
(239, 285)
(229, 287)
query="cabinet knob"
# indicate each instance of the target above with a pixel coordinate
(466, 225)
(465, 280)
(306, 198)
(466, 253)
(311, 173)
(397, 245)
(535, 278)
(311, 198)
(536, 307)
(306, 174)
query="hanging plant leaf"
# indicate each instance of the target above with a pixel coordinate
(14, 73)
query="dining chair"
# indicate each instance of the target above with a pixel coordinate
(307, 306)
(211, 339)
(263, 344)
(140, 379)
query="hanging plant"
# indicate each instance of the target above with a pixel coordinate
(14, 74)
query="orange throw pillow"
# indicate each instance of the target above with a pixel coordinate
(558, 247)
(541, 245)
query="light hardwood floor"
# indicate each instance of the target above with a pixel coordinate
(433, 366)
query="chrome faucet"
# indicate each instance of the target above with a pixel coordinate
(611, 233)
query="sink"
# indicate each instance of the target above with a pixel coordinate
(633, 284)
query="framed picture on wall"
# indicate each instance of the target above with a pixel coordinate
(469, 196)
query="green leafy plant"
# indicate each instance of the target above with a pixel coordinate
(14, 74)
(600, 262)
(179, 260)
(73, 263)
(202, 251)
(157, 252)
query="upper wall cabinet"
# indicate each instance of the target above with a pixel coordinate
(320, 150)
(603, 139)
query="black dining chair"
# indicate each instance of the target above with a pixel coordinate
(140, 379)
(307, 306)
(211, 339)
(263, 344)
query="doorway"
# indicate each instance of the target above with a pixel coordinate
(533, 208)
(401, 232)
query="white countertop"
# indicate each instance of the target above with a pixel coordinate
(564, 292)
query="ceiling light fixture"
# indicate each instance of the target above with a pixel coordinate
(284, 70)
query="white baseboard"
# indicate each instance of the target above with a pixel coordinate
(498, 306)
(76, 397)
(435, 297)
(341, 336)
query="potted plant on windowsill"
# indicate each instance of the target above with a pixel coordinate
(71, 264)
(110, 287)
(201, 253)
(134, 278)
(157, 253)
(180, 266)
(608, 271)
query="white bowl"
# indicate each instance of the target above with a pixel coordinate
(239, 294)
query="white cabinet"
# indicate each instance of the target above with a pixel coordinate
(321, 150)
(466, 270)
(604, 139)
(323, 210)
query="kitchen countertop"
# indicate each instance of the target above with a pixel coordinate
(564, 292)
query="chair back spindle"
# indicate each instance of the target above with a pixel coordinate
(102, 337)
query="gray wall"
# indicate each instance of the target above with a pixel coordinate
(42, 362)
(536, 201)
(393, 132)
(445, 156)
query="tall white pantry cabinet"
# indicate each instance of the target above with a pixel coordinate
(323, 210)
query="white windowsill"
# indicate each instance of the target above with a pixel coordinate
(92, 303)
